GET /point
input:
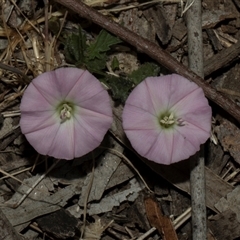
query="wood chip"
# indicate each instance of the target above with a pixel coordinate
(7, 231)
(60, 224)
(232, 201)
(24, 214)
(224, 226)
(106, 166)
(229, 137)
(211, 18)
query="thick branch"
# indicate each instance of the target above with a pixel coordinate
(154, 51)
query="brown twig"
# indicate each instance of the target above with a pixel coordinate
(222, 59)
(154, 51)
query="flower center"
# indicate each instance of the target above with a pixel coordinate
(167, 120)
(65, 111)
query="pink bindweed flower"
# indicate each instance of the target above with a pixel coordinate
(167, 118)
(65, 113)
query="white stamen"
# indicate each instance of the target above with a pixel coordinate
(65, 112)
(171, 116)
(168, 120)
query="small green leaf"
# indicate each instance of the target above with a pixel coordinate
(145, 70)
(75, 47)
(115, 63)
(102, 44)
(96, 65)
(120, 87)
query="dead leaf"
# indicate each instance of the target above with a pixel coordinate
(158, 220)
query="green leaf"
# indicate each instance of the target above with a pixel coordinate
(145, 70)
(75, 47)
(102, 44)
(120, 87)
(96, 65)
(115, 63)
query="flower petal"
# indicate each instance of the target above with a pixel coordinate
(85, 86)
(102, 99)
(187, 146)
(63, 145)
(33, 100)
(72, 78)
(181, 88)
(159, 92)
(142, 140)
(77, 135)
(136, 118)
(162, 148)
(171, 94)
(47, 84)
(139, 97)
(94, 123)
(42, 139)
(34, 121)
(194, 109)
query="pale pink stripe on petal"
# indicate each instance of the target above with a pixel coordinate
(33, 100)
(94, 123)
(159, 92)
(63, 145)
(184, 147)
(180, 88)
(140, 97)
(69, 78)
(193, 134)
(162, 148)
(42, 139)
(85, 139)
(47, 85)
(99, 103)
(142, 140)
(35, 121)
(191, 103)
(199, 119)
(86, 87)
(138, 119)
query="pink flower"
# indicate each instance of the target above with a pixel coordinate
(65, 113)
(167, 118)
